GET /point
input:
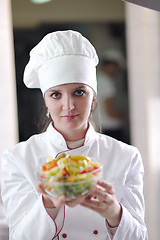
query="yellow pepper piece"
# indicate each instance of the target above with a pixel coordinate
(67, 164)
(49, 159)
(78, 157)
(62, 155)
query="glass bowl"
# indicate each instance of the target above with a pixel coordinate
(72, 186)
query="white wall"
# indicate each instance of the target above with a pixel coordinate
(143, 47)
(8, 119)
(27, 14)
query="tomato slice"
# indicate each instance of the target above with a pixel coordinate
(64, 172)
(84, 171)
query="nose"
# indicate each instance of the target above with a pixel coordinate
(68, 103)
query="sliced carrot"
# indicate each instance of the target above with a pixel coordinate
(44, 168)
(52, 165)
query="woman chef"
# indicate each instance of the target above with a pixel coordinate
(63, 66)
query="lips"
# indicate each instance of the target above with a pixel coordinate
(70, 117)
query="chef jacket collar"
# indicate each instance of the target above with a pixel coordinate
(57, 139)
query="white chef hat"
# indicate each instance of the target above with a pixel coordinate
(61, 57)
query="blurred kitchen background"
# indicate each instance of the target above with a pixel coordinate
(108, 24)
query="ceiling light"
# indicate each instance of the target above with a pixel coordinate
(40, 1)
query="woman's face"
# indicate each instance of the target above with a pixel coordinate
(70, 106)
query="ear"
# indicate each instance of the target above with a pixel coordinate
(94, 97)
(94, 103)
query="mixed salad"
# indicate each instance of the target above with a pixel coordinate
(69, 175)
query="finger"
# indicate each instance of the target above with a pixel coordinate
(58, 202)
(75, 202)
(41, 189)
(104, 196)
(92, 204)
(109, 188)
(89, 196)
(88, 206)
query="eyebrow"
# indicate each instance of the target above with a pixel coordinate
(83, 86)
(58, 90)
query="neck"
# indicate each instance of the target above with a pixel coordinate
(75, 134)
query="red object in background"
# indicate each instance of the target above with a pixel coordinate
(152, 4)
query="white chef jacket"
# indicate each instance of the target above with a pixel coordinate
(26, 214)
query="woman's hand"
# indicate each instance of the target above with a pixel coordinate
(105, 204)
(51, 202)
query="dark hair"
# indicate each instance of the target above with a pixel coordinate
(44, 121)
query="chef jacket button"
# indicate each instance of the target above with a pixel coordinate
(95, 232)
(64, 235)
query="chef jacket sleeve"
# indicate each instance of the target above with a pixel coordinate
(26, 215)
(132, 224)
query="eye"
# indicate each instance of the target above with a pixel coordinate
(56, 95)
(79, 92)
